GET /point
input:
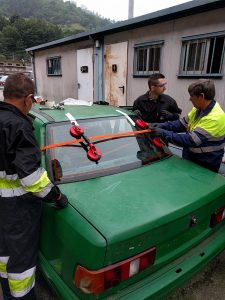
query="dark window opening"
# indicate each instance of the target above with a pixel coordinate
(54, 66)
(141, 59)
(147, 59)
(215, 55)
(202, 57)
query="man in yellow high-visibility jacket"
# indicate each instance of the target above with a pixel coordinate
(202, 132)
(23, 184)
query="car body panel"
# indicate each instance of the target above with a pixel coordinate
(104, 202)
(132, 224)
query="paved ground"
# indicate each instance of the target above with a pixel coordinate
(207, 285)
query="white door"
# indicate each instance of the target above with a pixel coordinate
(85, 74)
(115, 58)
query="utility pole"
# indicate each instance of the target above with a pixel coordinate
(131, 9)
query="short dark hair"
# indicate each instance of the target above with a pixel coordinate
(17, 86)
(205, 86)
(153, 79)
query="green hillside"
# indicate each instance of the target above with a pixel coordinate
(54, 11)
(27, 23)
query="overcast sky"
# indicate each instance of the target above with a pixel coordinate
(118, 9)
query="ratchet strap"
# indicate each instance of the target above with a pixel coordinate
(106, 136)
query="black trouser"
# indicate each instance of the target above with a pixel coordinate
(19, 237)
(7, 295)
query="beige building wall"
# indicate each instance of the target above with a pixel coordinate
(171, 33)
(58, 88)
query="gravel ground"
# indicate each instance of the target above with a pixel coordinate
(207, 285)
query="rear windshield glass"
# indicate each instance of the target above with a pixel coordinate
(70, 163)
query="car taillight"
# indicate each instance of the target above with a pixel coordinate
(217, 217)
(96, 282)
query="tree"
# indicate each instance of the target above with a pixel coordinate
(27, 23)
(54, 11)
(23, 33)
(3, 22)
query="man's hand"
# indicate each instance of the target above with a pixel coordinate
(56, 198)
(157, 131)
(155, 125)
(166, 114)
(61, 202)
(138, 113)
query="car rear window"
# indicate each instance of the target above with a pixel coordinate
(70, 163)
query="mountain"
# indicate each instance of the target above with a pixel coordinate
(27, 23)
(54, 11)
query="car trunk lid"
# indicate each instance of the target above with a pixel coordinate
(148, 206)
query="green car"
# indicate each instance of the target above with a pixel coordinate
(140, 220)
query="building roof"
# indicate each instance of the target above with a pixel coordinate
(174, 12)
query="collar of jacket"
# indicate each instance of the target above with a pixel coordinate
(159, 99)
(14, 109)
(205, 112)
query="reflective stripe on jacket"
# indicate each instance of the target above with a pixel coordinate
(37, 183)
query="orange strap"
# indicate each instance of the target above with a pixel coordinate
(112, 135)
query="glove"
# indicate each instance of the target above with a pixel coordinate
(157, 131)
(138, 113)
(166, 114)
(56, 198)
(61, 202)
(155, 125)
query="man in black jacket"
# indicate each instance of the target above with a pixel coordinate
(23, 184)
(154, 106)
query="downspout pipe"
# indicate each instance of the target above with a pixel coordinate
(32, 54)
(98, 71)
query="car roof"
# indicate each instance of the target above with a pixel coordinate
(77, 111)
